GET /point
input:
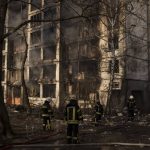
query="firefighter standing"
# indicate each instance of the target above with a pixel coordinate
(98, 112)
(47, 114)
(73, 115)
(131, 107)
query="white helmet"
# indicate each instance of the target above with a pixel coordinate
(72, 97)
(131, 97)
(49, 99)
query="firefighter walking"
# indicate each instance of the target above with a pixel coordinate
(98, 112)
(131, 107)
(47, 115)
(73, 115)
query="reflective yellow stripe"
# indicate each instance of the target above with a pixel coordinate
(45, 115)
(48, 126)
(75, 138)
(73, 117)
(72, 121)
(67, 113)
(98, 113)
(44, 106)
(78, 110)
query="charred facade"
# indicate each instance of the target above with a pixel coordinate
(103, 51)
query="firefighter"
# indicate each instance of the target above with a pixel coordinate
(47, 115)
(98, 112)
(131, 107)
(73, 115)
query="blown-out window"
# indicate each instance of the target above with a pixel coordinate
(49, 52)
(35, 4)
(36, 18)
(116, 66)
(36, 37)
(49, 90)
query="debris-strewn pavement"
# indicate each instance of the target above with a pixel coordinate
(112, 130)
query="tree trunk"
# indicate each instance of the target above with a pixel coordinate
(4, 118)
(25, 90)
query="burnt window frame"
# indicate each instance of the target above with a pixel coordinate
(116, 66)
(49, 50)
(46, 73)
(51, 91)
(37, 41)
(37, 3)
(36, 17)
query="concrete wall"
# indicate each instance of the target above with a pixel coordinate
(137, 68)
(137, 52)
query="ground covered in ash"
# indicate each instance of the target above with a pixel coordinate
(112, 130)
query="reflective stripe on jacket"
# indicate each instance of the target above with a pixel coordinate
(73, 114)
(45, 115)
(46, 110)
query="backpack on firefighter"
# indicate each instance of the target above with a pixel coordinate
(73, 115)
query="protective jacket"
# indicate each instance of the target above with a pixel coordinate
(98, 109)
(131, 104)
(73, 113)
(131, 107)
(47, 110)
(47, 114)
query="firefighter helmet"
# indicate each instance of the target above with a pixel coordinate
(131, 97)
(48, 99)
(72, 97)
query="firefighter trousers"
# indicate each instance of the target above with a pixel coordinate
(97, 117)
(131, 114)
(72, 133)
(46, 123)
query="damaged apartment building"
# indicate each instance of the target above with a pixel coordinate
(95, 56)
(81, 52)
(42, 63)
(124, 44)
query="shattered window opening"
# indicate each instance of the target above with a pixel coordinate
(116, 66)
(49, 73)
(35, 4)
(49, 52)
(90, 68)
(35, 56)
(35, 73)
(19, 44)
(36, 37)
(49, 90)
(34, 90)
(49, 35)
(17, 61)
(17, 92)
(36, 17)
(50, 12)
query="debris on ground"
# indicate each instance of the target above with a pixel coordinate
(117, 128)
